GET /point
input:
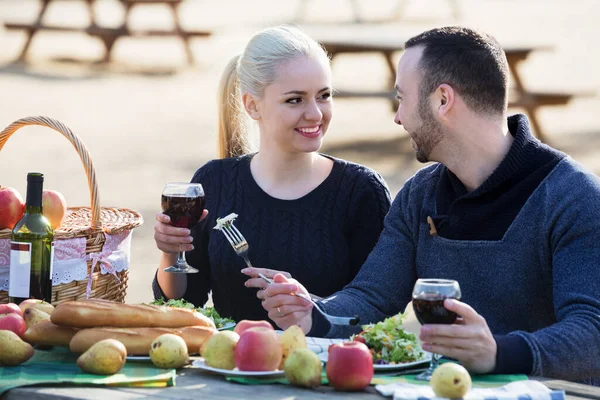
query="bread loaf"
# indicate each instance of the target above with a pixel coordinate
(195, 337)
(99, 313)
(45, 333)
(137, 341)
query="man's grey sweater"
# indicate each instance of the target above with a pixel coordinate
(538, 283)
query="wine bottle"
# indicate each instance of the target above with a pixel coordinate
(31, 249)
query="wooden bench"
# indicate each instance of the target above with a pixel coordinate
(396, 14)
(520, 97)
(109, 36)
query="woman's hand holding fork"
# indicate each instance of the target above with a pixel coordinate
(283, 307)
(256, 281)
(261, 278)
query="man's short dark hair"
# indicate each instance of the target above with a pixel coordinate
(472, 63)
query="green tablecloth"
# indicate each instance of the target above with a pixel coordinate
(58, 366)
(480, 381)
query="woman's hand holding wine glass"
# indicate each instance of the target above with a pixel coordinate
(170, 239)
(183, 207)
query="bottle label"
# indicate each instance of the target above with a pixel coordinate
(51, 259)
(20, 269)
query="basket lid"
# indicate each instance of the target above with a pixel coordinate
(78, 221)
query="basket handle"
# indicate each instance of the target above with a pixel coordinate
(79, 146)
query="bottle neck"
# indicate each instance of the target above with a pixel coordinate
(33, 203)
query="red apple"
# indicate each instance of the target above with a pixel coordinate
(360, 338)
(349, 366)
(10, 308)
(244, 324)
(12, 207)
(13, 322)
(35, 303)
(54, 207)
(258, 350)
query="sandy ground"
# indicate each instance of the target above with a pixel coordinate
(148, 118)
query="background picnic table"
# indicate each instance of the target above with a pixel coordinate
(148, 117)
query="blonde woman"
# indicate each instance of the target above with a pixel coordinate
(306, 214)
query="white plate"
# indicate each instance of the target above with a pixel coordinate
(391, 367)
(235, 372)
(147, 358)
(138, 358)
(227, 326)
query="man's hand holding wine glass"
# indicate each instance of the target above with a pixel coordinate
(468, 340)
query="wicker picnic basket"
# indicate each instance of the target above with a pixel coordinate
(91, 223)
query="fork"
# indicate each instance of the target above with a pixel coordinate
(237, 241)
(240, 245)
(331, 318)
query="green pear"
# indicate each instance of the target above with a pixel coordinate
(35, 303)
(219, 350)
(169, 351)
(450, 380)
(291, 339)
(34, 315)
(13, 350)
(303, 368)
(105, 357)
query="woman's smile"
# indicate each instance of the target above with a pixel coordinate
(310, 131)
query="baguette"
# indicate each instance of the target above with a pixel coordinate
(99, 313)
(45, 333)
(137, 341)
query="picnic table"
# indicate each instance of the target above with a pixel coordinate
(361, 41)
(108, 35)
(193, 384)
(58, 377)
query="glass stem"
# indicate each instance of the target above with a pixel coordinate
(181, 256)
(435, 361)
(426, 375)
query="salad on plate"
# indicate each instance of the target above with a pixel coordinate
(389, 343)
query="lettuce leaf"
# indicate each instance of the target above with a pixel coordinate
(210, 312)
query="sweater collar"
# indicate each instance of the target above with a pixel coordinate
(330, 184)
(522, 150)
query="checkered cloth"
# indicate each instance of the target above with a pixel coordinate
(521, 390)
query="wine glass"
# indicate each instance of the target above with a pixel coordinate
(428, 304)
(183, 203)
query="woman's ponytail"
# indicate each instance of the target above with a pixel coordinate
(232, 124)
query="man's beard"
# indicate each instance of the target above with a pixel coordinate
(429, 134)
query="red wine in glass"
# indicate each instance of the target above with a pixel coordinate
(185, 212)
(429, 309)
(184, 204)
(428, 303)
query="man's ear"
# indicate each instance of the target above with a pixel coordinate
(444, 99)
(251, 106)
